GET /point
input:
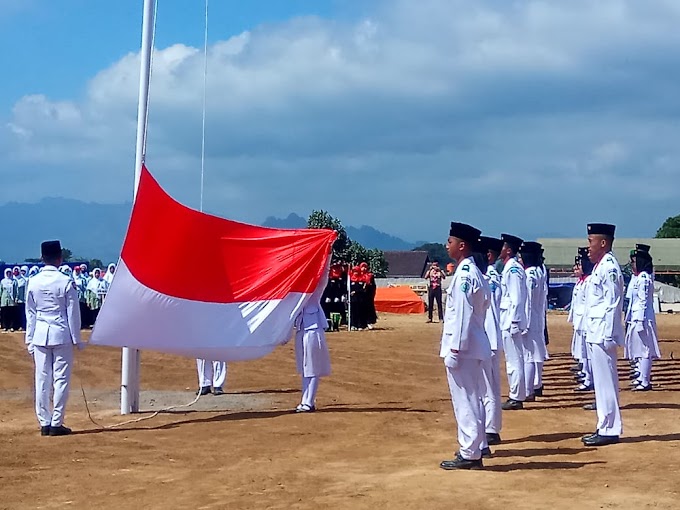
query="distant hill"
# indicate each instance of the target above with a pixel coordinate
(367, 236)
(92, 230)
(89, 230)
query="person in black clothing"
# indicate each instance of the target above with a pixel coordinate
(369, 301)
(357, 300)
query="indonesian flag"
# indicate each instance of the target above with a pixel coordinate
(241, 306)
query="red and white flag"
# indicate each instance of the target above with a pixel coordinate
(243, 303)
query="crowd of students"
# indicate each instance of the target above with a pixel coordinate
(92, 287)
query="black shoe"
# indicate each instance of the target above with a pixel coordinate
(530, 398)
(590, 407)
(583, 387)
(461, 463)
(598, 440)
(60, 431)
(538, 391)
(217, 390)
(486, 453)
(45, 430)
(304, 408)
(512, 405)
(493, 439)
(204, 390)
(576, 368)
(588, 436)
(634, 375)
(640, 387)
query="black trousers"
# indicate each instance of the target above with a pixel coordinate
(6, 317)
(432, 296)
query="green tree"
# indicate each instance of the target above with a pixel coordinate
(377, 263)
(346, 250)
(322, 219)
(33, 260)
(95, 263)
(66, 254)
(436, 251)
(670, 228)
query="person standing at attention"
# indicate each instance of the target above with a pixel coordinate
(52, 329)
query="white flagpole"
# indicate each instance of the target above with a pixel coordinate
(129, 377)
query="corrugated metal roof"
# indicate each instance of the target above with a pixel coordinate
(665, 252)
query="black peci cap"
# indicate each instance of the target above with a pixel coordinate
(604, 229)
(50, 249)
(464, 232)
(513, 241)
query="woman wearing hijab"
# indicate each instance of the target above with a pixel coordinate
(357, 299)
(644, 343)
(22, 283)
(93, 296)
(311, 351)
(109, 273)
(369, 301)
(33, 271)
(8, 300)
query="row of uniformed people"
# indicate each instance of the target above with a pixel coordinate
(488, 311)
(641, 344)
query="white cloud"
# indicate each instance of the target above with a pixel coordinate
(474, 109)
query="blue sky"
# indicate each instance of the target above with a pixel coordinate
(530, 117)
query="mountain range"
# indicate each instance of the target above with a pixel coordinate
(94, 230)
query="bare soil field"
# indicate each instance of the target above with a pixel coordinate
(384, 423)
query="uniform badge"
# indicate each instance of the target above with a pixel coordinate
(466, 267)
(465, 286)
(613, 276)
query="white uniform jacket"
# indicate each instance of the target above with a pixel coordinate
(468, 297)
(514, 296)
(604, 302)
(492, 321)
(577, 309)
(52, 310)
(642, 307)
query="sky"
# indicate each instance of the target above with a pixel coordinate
(527, 117)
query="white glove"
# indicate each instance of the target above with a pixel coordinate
(609, 344)
(639, 326)
(328, 300)
(525, 332)
(336, 300)
(514, 328)
(30, 349)
(451, 360)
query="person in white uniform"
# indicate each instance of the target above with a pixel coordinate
(644, 340)
(52, 330)
(513, 320)
(465, 346)
(604, 334)
(579, 349)
(212, 375)
(312, 358)
(631, 290)
(491, 247)
(535, 352)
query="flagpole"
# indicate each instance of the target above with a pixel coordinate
(129, 377)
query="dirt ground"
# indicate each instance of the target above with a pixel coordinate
(384, 423)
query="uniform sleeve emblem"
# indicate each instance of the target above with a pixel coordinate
(466, 267)
(514, 270)
(613, 276)
(465, 286)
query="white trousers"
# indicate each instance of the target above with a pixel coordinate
(467, 387)
(310, 385)
(491, 372)
(211, 373)
(52, 374)
(606, 381)
(645, 368)
(513, 345)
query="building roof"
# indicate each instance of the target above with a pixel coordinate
(665, 252)
(401, 264)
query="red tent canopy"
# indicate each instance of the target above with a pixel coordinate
(400, 299)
